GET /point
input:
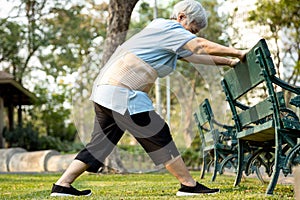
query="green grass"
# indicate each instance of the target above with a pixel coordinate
(134, 186)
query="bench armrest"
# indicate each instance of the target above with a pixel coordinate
(286, 85)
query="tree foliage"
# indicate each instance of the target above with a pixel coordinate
(43, 44)
(282, 18)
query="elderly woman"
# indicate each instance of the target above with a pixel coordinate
(121, 101)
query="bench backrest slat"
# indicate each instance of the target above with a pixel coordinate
(205, 112)
(247, 75)
(203, 118)
(260, 110)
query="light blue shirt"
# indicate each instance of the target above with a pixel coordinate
(160, 45)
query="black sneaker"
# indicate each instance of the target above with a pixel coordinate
(58, 190)
(196, 190)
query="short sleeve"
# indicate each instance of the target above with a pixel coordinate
(163, 34)
(178, 37)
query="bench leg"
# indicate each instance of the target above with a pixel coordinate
(216, 166)
(240, 162)
(255, 161)
(274, 180)
(297, 182)
(204, 165)
(259, 176)
(276, 169)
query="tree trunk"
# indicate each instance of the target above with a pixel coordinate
(117, 26)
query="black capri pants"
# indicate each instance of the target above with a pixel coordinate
(148, 128)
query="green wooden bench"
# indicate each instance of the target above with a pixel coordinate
(218, 147)
(267, 127)
(218, 144)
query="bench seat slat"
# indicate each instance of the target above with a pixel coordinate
(260, 133)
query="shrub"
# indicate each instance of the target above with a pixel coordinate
(24, 137)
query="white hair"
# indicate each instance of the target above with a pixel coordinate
(193, 10)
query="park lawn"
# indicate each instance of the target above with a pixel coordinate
(134, 186)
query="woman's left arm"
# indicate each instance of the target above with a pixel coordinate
(211, 60)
